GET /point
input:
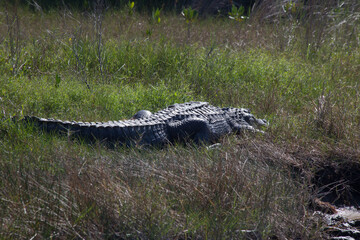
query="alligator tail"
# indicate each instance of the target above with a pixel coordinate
(51, 125)
(109, 132)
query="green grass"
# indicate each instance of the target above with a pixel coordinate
(53, 187)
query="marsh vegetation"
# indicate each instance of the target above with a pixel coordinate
(296, 65)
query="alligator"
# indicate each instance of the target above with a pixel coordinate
(190, 121)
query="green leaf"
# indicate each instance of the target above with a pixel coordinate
(57, 80)
(189, 14)
(131, 5)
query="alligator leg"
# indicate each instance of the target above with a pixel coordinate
(196, 129)
(154, 135)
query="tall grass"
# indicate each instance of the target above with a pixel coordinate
(298, 69)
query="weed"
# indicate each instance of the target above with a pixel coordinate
(190, 16)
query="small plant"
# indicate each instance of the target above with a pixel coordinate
(155, 19)
(130, 7)
(190, 16)
(293, 10)
(57, 80)
(155, 16)
(237, 14)
(290, 7)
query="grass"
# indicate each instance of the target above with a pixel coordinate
(300, 74)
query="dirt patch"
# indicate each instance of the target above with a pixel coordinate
(338, 181)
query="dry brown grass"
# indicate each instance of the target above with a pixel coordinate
(218, 193)
(256, 32)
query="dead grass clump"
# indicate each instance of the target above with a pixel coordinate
(207, 193)
(174, 193)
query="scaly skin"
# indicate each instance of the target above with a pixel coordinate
(196, 121)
